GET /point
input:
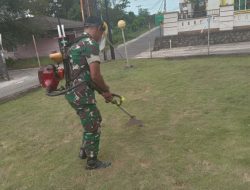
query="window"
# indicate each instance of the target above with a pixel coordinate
(241, 4)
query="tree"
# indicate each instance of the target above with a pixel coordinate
(14, 26)
(68, 9)
(74, 12)
(116, 10)
(193, 1)
(121, 3)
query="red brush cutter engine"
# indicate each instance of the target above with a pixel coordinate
(50, 76)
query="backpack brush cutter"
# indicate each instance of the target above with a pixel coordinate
(51, 75)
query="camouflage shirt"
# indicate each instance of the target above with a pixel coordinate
(82, 53)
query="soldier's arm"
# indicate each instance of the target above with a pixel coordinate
(96, 77)
(95, 72)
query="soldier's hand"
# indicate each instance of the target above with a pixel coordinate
(107, 96)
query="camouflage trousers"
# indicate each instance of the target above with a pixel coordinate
(91, 121)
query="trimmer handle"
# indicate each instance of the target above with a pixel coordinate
(117, 99)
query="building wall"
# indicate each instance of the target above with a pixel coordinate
(44, 47)
(170, 23)
(242, 19)
(197, 24)
(224, 19)
(213, 4)
(195, 39)
(227, 17)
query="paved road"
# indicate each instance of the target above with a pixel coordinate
(138, 45)
(21, 81)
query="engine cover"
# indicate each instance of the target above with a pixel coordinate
(50, 76)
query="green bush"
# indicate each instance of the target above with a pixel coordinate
(10, 62)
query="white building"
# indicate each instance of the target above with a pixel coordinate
(213, 5)
(223, 15)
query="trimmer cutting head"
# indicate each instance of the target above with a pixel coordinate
(134, 122)
(118, 100)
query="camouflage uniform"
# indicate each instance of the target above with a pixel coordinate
(82, 53)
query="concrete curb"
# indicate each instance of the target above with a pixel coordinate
(18, 94)
(195, 56)
(26, 69)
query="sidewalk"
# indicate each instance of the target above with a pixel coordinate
(226, 49)
(21, 81)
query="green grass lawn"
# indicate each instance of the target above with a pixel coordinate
(196, 135)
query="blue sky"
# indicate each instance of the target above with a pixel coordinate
(153, 5)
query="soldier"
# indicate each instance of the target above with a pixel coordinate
(85, 60)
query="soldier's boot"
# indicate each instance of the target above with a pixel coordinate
(82, 153)
(94, 164)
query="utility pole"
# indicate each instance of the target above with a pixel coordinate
(88, 8)
(112, 51)
(3, 66)
(149, 40)
(82, 9)
(37, 55)
(96, 8)
(165, 6)
(208, 34)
